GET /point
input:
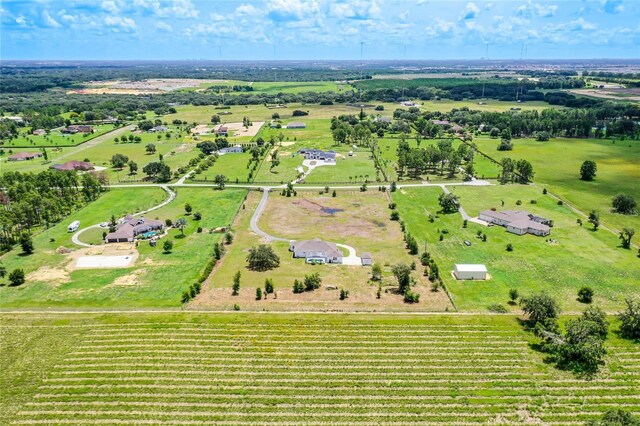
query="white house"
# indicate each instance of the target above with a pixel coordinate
(464, 271)
(316, 250)
(366, 259)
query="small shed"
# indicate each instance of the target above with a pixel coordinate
(366, 259)
(464, 271)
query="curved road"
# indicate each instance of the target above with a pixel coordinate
(75, 238)
(350, 259)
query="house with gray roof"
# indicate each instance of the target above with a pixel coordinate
(316, 250)
(518, 222)
(296, 125)
(236, 149)
(318, 154)
(130, 227)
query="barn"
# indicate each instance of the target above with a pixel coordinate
(465, 271)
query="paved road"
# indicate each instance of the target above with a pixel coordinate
(75, 238)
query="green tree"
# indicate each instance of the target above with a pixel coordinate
(26, 242)
(181, 223)
(513, 296)
(3, 270)
(220, 181)
(585, 295)
(133, 167)
(228, 238)
(540, 308)
(150, 148)
(298, 287)
(402, 273)
(615, 417)
(624, 204)
(581, 349)
(448, 202)
(312, 281)
(236, 284)
(588, 170)
(376, 272)
(168, 246)
(630, 319)
(268, 286)
(118, 161)
(626, 235)
(187, 208)
(262, 258)
(258, 293)
(16, 277)
(594, 219)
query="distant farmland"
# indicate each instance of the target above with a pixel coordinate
(301, 369)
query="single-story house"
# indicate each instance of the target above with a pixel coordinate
(296, 125)
(158, 129)
(441, 122)
(222, 131)
(22, 156)
(366, 259)
(464, 271)
(381, 119)
(78, 128)
(131, 227)
(318, 154)
(39, 132)
(236, 149)
(409, 104)
(518, 222)
(73, 165)
(316, 250)
(14, 118)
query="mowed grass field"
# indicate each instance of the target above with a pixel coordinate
(155, 279)
(360, 221)
(577, 257)
(244, 369)
(557, 167)
(55, 137)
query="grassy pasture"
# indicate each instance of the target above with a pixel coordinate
(233, 166)
(55, 138)
(579, 257)
(156, 279)
(557, 167)
(364, 224)
(355, 369)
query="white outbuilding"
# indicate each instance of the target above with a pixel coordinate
(465, 271)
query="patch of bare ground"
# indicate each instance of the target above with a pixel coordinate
(53, 276)
(116, 249)
(131, 279)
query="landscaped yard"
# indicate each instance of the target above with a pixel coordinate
(155, 279)
(557, 167)
(576, 257)
(360, 220)
(54, 138)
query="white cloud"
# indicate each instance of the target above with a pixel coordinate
(536, 10)
(21, 20)
(246, 9)
(421, 2)
(163, 26)
(288, 10)
(48, 20)
(441, 29)
(355, 9)
(470, 12)
(404, 15)
(612, 6)
(216, 17)
(120, 23)
(109, 6)
(176, 9)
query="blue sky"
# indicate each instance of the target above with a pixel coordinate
(317, 29)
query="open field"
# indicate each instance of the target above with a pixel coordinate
(233, 166)
(55, 138)
(364, 224)
(273, 88)
(155, 280)
(557, 167)
(578, 256)
(305, 369)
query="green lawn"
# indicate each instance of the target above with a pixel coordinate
(233, 166)
(252, 368)
(55, 137)
(158, 278)
(579, 257)
(557, 167)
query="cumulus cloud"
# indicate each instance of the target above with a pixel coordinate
(163, 26)
(21, 20)
(120, 24)
(356, 9)
(110, 6)
(612, 6)
(536, 10)
(48, 21)
(441, 29)
(176, 9)
(291, 10)
(470, 12)
(247, 9)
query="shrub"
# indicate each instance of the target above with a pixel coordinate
(497, 308)
(268, 286)
(585, 295)
(395, 215)
(411, 297)
(258, 293)
(630, 319)
(344, 294)
(509, 247)
(197, 216)
(236, 307)
(16, 277)
(513, 295)
(298, 287)
(312, 281)
(167, 246)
